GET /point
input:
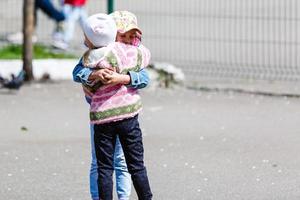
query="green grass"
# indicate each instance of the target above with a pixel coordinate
(39, 52)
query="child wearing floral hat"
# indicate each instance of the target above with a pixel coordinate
(115, 107)
(127, 26)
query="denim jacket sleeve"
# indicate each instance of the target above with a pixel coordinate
(81, 74)
(138, 80)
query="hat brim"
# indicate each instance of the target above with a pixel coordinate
(129, 28)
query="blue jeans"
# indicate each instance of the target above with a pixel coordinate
(123, 181)
(73, 14)
(130, 136)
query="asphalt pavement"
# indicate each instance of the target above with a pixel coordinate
(199, 145)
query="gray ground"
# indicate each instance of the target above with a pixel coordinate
(199, 145)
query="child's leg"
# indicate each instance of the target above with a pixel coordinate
(82, 15)
(47, 7)
(131, 140)
(105, 141)
(71, 17)
(93, 169)
(123, 179)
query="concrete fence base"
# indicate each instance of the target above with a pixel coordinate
(58, 69)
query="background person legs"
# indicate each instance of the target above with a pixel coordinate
(49, 9)
(73, 15)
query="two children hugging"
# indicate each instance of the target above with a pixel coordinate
(114, 106)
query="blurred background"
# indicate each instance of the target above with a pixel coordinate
(207, 39)
(229, 131)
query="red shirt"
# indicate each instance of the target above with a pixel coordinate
(75, 2)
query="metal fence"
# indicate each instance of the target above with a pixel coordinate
(208, 39)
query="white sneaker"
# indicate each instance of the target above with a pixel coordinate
(58, 33)
(57, 36)
(17, 38)
(60, 44)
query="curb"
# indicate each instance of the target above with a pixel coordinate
(58, 69)
(265, 88)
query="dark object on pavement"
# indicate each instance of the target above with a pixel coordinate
(45, 78)
(24, 128)
(15, 82)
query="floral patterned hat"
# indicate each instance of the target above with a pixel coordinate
(125, 21)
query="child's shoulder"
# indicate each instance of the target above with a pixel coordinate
(143, 48)
(145, 54)
(123, 46)
(93, 55)
(97, 51)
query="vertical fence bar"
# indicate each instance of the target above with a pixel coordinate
(28, 28)
(110, 6)
(296, 36)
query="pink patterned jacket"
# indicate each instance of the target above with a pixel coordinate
(115, 102)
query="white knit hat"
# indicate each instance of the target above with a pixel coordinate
(100, 29)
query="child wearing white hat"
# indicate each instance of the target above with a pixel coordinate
(101, 31)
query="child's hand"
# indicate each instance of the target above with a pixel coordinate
(116, 78)
(100, 75)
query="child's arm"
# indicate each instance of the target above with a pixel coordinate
(146, 55)
(137, 80)
(86, 76)
(81, 74)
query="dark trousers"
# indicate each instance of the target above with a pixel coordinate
(130, 136)
(48, 8)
